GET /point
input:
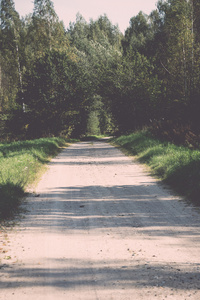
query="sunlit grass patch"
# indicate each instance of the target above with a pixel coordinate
(20, 163)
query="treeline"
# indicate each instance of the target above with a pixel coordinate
(90, 78)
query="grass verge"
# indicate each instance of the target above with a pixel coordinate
(177, 166)
(20, 163)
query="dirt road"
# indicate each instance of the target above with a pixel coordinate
(99, 227)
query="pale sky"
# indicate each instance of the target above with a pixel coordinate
(118, 11)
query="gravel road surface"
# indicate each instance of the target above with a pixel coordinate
(99, 227)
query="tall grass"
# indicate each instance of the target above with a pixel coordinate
(19, 164)
(178, 166)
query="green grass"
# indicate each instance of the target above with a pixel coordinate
(177, 166)
(20, 163)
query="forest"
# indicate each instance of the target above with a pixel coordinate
(90, 78)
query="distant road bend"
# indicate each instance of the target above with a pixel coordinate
(101, 228)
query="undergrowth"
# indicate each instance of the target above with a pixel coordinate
(20, 163)
(177, 166)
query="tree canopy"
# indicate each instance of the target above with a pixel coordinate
(90, 78)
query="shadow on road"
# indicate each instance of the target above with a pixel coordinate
(136, 210)
(116, 275)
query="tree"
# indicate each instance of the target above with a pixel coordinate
(134, 92)
(173, 55)
(138, 34)
(98, 47)
(102, 29)
(45, 31)
(55, 95)
(78, 33)
(10, 57)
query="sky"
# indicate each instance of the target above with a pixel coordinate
(118, 11)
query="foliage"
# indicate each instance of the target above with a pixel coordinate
(10, 59)
(138, 34)
(54, 94)
(50, 78)
(134, 92)
(45, 30)
(98, 46)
